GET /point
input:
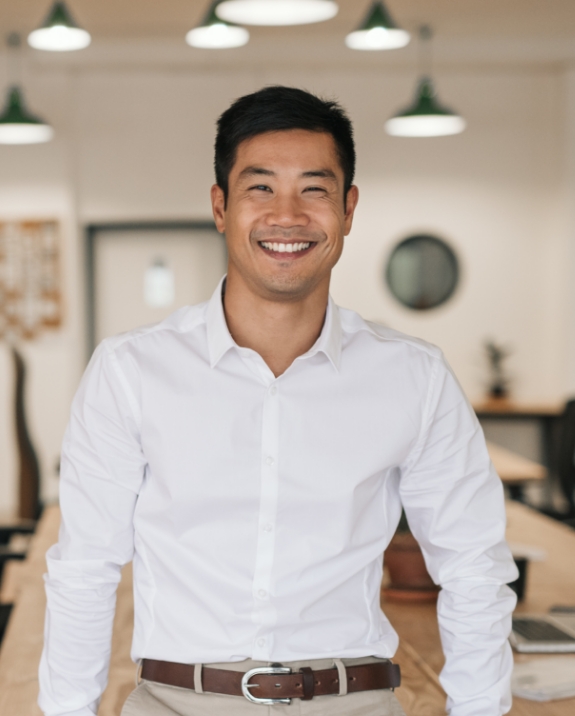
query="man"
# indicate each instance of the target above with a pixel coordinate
(252, 455)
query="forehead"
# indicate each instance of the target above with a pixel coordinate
(297, 150)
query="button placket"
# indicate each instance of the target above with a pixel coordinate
(264, 612)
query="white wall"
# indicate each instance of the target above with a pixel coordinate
(136, 143)
(570, 219)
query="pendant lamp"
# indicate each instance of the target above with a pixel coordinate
(18, 126)
(59, 33)
(276, 12)
(426, 116)
(378, 31)
(216, 34)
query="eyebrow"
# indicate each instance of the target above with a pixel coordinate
(322, 173)
(260, 171)
(256, 171)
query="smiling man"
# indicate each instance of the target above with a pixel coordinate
(252, 456)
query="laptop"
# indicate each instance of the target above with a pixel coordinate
(543, 633)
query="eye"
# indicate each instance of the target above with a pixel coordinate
(260, 187)
(315, 188)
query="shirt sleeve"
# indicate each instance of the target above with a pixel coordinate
(455, 507)
(101, 474)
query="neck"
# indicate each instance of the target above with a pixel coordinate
(278, 330)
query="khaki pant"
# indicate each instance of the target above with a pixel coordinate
(153, 699)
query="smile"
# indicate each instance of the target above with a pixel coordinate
(285, 248)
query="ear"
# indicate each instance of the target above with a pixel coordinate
(350, 203)
(218, 207)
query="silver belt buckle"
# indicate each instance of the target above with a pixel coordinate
(263, 670)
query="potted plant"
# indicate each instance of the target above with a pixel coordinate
(409, 579)
(498, 388)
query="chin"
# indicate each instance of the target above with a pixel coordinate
(288, 287)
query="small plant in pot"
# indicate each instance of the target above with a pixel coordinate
(499, 381)
(409, 579)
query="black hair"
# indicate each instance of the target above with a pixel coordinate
(278, 108)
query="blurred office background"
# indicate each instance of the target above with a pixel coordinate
(128, 171)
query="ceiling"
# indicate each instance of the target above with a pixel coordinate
(540, 31)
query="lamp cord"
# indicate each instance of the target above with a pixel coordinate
(14, 59)
(425, 54)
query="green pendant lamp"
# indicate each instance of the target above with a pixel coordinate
(426, 116)
(216, 34)
(59, 33)
(18, 126)
(378, 31)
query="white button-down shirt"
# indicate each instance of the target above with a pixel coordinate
(256, 509)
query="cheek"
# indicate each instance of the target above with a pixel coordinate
(237, 223)
(332, 221)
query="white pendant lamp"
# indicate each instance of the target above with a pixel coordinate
(426, 116)
(276, 12)
(213, 33)
(59, 33)
(378, 31)
(18, 126)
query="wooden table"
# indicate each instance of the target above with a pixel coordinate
(546, 415)
(517, 409)
(549, 582)
(514, 469)
(419, 654)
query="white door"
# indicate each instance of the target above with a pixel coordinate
(141, 276)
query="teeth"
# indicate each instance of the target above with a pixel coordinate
(283, 248)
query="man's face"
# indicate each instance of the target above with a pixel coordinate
(285, 218)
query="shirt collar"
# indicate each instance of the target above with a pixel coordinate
(220, 340)
(219, 337)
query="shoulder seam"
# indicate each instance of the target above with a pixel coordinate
(133, 403)
(425, 420)
(428, 348)
(128, 337)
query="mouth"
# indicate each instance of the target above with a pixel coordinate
(287, 250)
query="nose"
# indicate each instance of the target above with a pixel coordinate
(286, 211)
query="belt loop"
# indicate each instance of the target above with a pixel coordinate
(308, 683)
(138, 672)
(342, 674)
(198, 679)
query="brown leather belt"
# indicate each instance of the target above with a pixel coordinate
(275, 683)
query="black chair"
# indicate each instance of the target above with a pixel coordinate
(565, 469)
(19, 527)
(7, 531)
(7, 552)
(5, 611)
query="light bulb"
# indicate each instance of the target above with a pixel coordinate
(217, 36)
(276, 12)
(377, 38)
(425, 125)
(59, 38)
(20, 133)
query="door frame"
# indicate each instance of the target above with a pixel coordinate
(93, 230)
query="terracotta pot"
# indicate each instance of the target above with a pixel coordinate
(409, 578)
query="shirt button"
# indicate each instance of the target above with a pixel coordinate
(268, 527)
(261, 642)
(273, 390)
(262, 594)
(269, 460)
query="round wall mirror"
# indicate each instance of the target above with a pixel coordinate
(422, 272)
